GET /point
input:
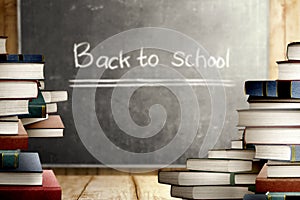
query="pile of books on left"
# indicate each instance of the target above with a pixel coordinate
(21, 173)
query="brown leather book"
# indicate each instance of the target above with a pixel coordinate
(265, 184)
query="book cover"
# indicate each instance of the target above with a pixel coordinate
(53, 122)
(273, 88)
(9, 159)
(19, 141)
(265, 184)
(50, 190)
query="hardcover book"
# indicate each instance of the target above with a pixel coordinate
(29, 171)
(18, 89)
(19, 141)
(55, 96)
(36, 107)
(13, 107)
(278, 152)
(49, 190)
(265, 184)
(9, 159)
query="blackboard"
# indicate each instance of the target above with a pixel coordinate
(159, 114)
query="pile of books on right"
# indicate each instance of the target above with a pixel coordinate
(272, 125)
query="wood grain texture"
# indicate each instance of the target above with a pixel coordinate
(147, 187)
(277, 43)
(72, 185)
(10, 25)
(2, 18)
(110, 187)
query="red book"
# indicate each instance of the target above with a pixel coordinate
(264, 184)
(19, 141)
(50, 190)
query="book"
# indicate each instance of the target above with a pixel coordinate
(293, 51)
(273, 196)
(27, 121)
(283, 170)
(289, 70)
(268, 117)
(273, 103)
(49, 190)
(13, 107)
(231, 154)
(18, 89)
(21, 70)
(265, 184)
(221, 165)
(12, 142)
(273, 88)
(9, 159)
(3, 40)
(278, 152)
(55, 96)
(29, 171)
(51, 108)
(22, 58)
(272, 135)
(36, 107)
(210, 192)
(51, 127)
(8, 126)
(237, 144)
(192, 178)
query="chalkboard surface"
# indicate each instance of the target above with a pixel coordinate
(124, 113)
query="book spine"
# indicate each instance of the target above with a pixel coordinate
(21, 58)
(255, 197)
(9, 159)
(13, 142)
(35, 111)
(295, 153)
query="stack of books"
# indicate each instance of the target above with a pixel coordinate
(21, 173)
(224, 174)
(273, 126)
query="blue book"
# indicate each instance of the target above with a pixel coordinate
(273, 196)
(29, 171)
(21, 58)
(273, 88)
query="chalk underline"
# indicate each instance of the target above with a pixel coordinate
(107, 83)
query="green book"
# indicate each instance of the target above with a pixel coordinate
(9, 159)
(36, 108)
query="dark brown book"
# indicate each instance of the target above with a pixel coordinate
(265, 184)
(51, 127)
(19, 141)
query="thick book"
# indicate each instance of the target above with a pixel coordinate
(9, 125)
(272, 135)
(13, 107)
(210, 192)
(193, 178)
(293, 51)
(273, 88)
(19, 141)
(9, 159)
(51, 108)
(273, 196)
(55, 96)
(36, 108)
(51, 127)
(268, 117)
(29, 171)
(244, 154)
(283, 170)
(18, 89)
(49, 190)
(21, 70)
(265, 184)
(222, 165)
(289, 70)
(3, 40)
(278, 152)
